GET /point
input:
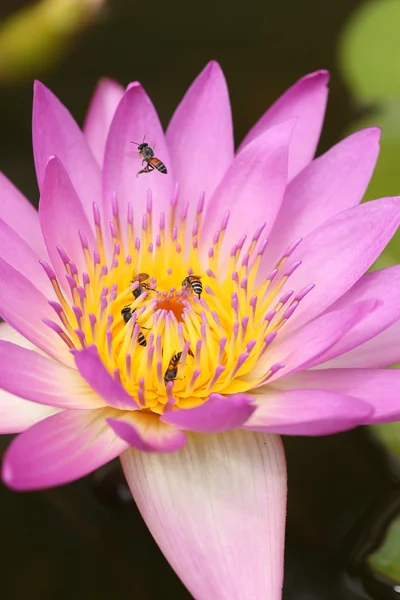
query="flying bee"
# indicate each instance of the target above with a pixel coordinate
(127, 313)
(152, 162)
(193, 281)
(172, 369)
(141, 278)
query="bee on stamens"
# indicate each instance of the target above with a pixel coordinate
(141, 278)
(172, 369)
(193, 282)
(127, 313)
(148, 159)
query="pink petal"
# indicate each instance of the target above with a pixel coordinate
(94, 372)
(24, 307)
(145, 432)
(333, 182)
(56, 133)
(338, 253)
(309, 344)
(201, 128)
(32, 376)
(102, 107)
(62, 218)
(305, 100)
(383, 284)
(21, 216)
(218, 413)
(17, 414)
(252, 189)
(307, 412)
(380, 388)
(135, 118)
(61, 448)
(381, 351)
(216, 508)
(17, 253)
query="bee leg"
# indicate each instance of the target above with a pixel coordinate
(145, 170)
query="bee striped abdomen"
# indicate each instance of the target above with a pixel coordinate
(159, 165)
(194, 282)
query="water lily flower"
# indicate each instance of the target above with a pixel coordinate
(110, 350)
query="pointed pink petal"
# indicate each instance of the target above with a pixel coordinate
(94, 372)
(60, 449)
(17, 253)
(378, 387)
(135, 118)
(381, 351)
(56, 133)
(308, 345)
(62, 217)
(305, 100)
(30, 375)
(338, 253)
(102, 107)
(147, 433)
(252, 189)
(201, 128)
(216, 508)
(307, 412)
(21, 216)
(333, 182)
(23, 306)
(218, 413)
(383, 284)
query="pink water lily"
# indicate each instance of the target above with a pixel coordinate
(106, 353)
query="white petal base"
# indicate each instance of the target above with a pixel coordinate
(217, 510)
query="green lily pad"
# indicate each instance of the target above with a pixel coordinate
(369, 51)
(386, 560)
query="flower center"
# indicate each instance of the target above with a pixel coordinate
(168, 321)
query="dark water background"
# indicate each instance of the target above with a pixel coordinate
(86, 540)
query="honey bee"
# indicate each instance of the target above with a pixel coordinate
(141, 278)
(148, 158)
(193, 281)
(172, 369)
(127, 313)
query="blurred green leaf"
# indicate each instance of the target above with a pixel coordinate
(386, 560)
(35, 38)
(386, 178)
(369, 51)
(389, 435)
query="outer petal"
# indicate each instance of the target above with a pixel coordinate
(146, 432)
(381, 351)
(305, 100)
(17, 253)
(217, 414)
(94, 372)
(62, 217)
(384, 284)
(135, 118)
(28, 374)
(102, 107)
(379, 387)
(335, 181)
(17, 414)
(308, 412)
(334, 264)
(24, 307)
(252, 189)
(21, 216)
(201, 128)
(61, 448)
(56, 133)
(216, 508)
(307, 345)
